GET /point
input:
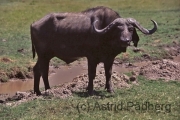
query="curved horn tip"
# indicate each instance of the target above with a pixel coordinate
(155, 27)
(155, 23)
(144, 30)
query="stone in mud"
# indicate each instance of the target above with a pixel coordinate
(132, 78)
(2, 101)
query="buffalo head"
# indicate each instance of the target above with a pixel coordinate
(125, 30)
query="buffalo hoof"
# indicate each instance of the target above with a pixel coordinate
(110, 91)
(38, 93)
(90, 93)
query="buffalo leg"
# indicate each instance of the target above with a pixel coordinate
(37, 76)
(44, 72)
(91, 74)
(108, 73)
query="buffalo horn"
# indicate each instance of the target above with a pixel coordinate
(104, 30)
(142, 29)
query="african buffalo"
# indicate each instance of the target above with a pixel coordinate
(99, 34)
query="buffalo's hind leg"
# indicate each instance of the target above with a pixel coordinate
(44, 68)
(37, 76)
(108, 72)
(41, 69)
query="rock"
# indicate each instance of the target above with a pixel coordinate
(132, 78)
(129, 64)
(20, 50)
(133, 73)
(4, 40)
(137, 50)
(145, 55)
(2, 101)
(66, 91)
(155, 62)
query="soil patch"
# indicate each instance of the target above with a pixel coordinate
(168, 68)
(161, 69)
(6, 60)
(171, 49)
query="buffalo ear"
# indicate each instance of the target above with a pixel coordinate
(135, 38)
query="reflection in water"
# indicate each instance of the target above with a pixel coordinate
(65, 75)
(16, 85)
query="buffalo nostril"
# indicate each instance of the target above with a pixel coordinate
(127, 39)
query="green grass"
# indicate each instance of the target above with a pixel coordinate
(130, 104)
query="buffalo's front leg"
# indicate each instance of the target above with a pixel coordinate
(91, 73)
(108, 73)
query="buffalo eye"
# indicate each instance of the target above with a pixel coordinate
(120, 27)
(130, 29)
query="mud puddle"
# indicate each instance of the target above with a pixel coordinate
(59, 76)
(64, 74)
(13, 86)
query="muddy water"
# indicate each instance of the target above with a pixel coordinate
(15, 85)
(62, 75)
(65, 74)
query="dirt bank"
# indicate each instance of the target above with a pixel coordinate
(161, 69)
